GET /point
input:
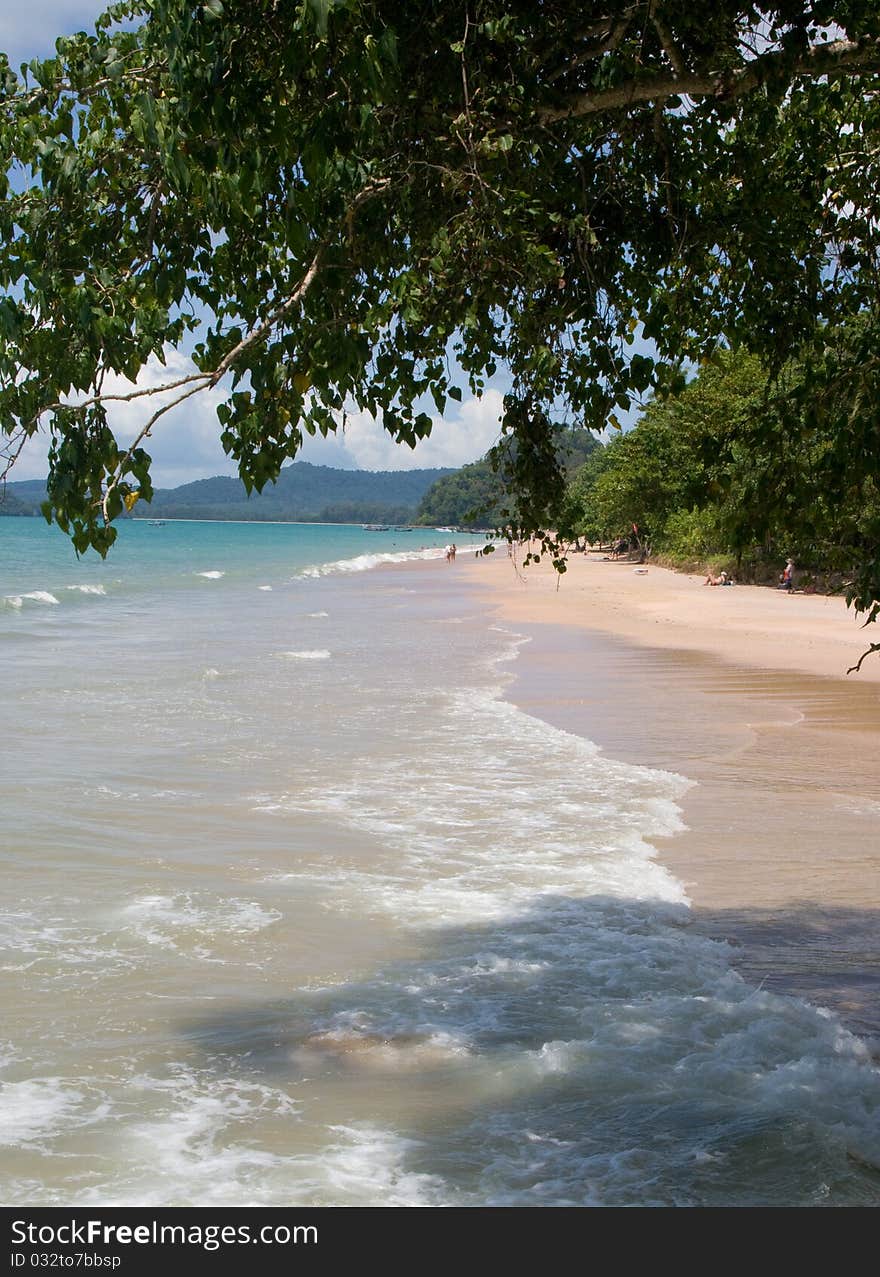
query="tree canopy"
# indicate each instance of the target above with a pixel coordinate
(725, 473)
(360, 205)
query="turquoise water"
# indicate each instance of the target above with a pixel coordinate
(34, 557)
(297, 908)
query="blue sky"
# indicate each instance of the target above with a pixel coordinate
(28, 28)
(185, 444)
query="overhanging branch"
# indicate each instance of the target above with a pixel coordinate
(840, 57)
(200, 381)
(675, 55)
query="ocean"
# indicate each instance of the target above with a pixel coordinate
(298, 909)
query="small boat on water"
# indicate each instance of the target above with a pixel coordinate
(155, 523)
(376, 527)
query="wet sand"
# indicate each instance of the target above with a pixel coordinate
(744, 691)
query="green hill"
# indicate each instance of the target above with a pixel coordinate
(468, 497)
(472, 496)
(24, 497)
(317, 494)
(304, 492)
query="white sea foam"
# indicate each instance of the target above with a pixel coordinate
(8, 1055)
(32, 1109)
(366, 1165)
(316, 654)
(364, 562)
(35, 1110)
(210, 576)
(46, 937)
(177, 921)
(35, 596)
(264, 587)
(565, 986)
(315, 616)
(202, 1148)
(858, 806)
(88, 589)
(469, 838)
(199, 1147)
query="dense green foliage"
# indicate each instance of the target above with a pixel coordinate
(323, 198)
(469, 498)
(479, 495)
(726, 470)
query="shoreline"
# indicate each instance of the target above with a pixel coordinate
(781, 820)
(653, 606)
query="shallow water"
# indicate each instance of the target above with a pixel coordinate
(298, 909)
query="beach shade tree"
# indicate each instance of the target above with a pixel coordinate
(341, 206)
(739, 467)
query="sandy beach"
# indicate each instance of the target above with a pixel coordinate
(745, 692)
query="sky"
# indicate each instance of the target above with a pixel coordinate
(185, 443)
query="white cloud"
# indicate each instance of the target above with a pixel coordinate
(185, 443)
(453, 441)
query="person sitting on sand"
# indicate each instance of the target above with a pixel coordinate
(786, 581)
(723, 579)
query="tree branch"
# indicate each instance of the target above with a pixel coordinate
(199, 381)
(132, 394)
(855, 669)
(612, 40)
(840, 57)
(602, 25)
(123, 464)
(299, 292)
(26, 98)
(11, 452)
(670, 47)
